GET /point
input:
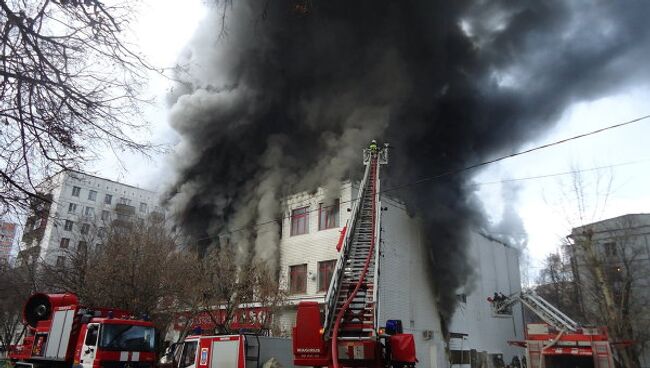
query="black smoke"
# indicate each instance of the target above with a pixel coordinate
(284, 94)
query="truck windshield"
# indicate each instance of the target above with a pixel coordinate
(127, 337)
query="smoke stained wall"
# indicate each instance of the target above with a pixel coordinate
(283, 97)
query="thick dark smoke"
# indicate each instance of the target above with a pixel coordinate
(284, 97)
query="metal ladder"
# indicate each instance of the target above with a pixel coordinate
(541, 307)
(351, 303)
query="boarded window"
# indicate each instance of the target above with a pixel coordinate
(298, 279)
(299, 221)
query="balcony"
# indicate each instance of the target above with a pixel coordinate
(124, 210)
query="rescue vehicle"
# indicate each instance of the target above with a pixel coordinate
(232, 351)
(560, 341)
(62, 333)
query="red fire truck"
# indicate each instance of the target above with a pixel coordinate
(345, 331)
(62, 333)
(560, 342)
(231, 351)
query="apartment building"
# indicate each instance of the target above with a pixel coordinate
(621, 246)
(82, 206)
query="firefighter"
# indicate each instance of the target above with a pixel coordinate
(373, 146)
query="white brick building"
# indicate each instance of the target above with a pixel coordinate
(310, 232)
(81, 206)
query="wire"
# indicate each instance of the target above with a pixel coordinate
(449, 173)
(561, 173)
(501, 158)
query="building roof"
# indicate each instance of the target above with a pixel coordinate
(635, 220)
(99, 177)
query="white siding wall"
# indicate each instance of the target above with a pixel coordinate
(497, 270)
(405, 288)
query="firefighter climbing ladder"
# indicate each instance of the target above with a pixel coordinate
(352, 297)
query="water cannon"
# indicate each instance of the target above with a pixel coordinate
(39, 306)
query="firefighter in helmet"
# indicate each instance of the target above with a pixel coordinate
(373, 146)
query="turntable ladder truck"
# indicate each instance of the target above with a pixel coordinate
(346, 332)
(560, 341)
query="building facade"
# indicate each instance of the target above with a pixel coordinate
(7, 239)
(477, 333)
(310, 232)
(618, 248)
(82, 207)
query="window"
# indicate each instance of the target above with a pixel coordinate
(189, 354)
(143, 207)
(298, 279)
(461, 298)
(90, 212)
(72, 208)
(82, 247)
(105, 215)
(68, 225)
(91, 335)
(108, 199)
(60, 261)
(328, 216)
(101, 232)
(92, 195)
(76, 191)
(610, 249)
(65, 242)
(325, 273)
(124, 200)
(299, 221)
(85, 228)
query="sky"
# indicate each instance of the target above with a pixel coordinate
(163, 28)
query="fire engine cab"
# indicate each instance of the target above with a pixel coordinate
(62, 333)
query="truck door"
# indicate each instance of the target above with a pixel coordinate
(188, 355)
(89, 347)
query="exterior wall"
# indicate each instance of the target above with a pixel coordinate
(7, 237)
(629, 235)
(497, 270)
(61, 188)
(314, 246)
(405, 289)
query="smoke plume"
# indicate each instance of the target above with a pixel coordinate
(284, 94)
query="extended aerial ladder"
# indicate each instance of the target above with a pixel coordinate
(561, 341)
(538, 305)
(347, 332)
